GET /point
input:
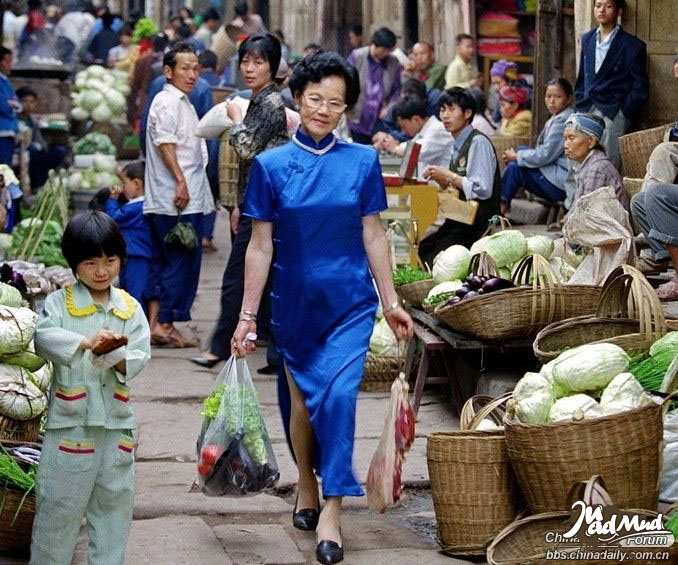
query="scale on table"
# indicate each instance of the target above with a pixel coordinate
(412, 208)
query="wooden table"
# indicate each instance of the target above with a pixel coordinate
(437, 338)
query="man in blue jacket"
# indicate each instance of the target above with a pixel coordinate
(9, 106)
(612, 80)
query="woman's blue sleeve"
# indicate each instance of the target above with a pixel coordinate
(259, 200)
(373, 192)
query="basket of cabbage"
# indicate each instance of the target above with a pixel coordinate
(584, 414)
(493, 308)
(101, 95)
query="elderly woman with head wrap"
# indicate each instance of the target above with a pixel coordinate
(592, 169)
(516, 119)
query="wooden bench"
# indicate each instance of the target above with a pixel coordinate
(430, 342)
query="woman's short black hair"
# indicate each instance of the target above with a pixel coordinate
(460, 97)
(134, 170)
(170, 58)
(264, 45)
(383, 37)
(413, 87)
(316, 67)
(92, 234)
(406, 108)
(564, 84)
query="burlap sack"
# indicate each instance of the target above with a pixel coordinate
(599, 222)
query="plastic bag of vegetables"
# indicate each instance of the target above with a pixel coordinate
(532, 399)
(235, 455)
(21, 400)
(17, 326)
(589, 367)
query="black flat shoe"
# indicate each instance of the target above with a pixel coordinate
(207, 363)
(306, 519)
(329, 552)
(268, 370)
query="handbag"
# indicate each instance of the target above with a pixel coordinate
(182, 235)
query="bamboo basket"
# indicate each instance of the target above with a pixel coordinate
(20, 430)
(625, 449)
(17, 511)
(503, 142)
(629, 315)
(524, 541)
(474, 491)
(635, 149)
(228, 173)
(414, 293)
(381, 371)
(524, 310)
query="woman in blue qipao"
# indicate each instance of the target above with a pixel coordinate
(314, 204)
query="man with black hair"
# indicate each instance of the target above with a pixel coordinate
(411, 115)
(355, 36)
(473, 171)
(208, 67)
(103, 41)
(42, 157)
(379, 74)
(612, 80)
(210, 24)
(426, 69)
(463, 71)
(175, 184)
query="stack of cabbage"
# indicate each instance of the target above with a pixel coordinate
(100, 175)
(507, 248)
(585, 382)
(24, 377)
(101, 95)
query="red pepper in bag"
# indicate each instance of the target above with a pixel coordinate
(384, 478)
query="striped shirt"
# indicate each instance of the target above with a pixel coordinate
(82, 395)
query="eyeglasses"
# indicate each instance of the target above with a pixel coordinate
(316, 102)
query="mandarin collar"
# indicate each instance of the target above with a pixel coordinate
(310, 142)
(118, 301)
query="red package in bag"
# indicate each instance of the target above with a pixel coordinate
(384, 478)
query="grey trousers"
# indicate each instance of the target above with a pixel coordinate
(655, 210)
(614, 129)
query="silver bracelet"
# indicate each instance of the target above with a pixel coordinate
(391, 307)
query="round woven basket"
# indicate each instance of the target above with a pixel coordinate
(629, 315)
(25, 430)
(475, 494)
(414, 293)
(625, 449)
(16, 520)
(521, 311)
(635, 149)
(380, 371)
(228, 173)
(524, 541)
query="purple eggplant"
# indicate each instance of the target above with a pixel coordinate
(452, 301)
(462, 291)
(475, 283)
(495, 284)
(470, 295)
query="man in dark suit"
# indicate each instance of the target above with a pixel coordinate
(612, 80)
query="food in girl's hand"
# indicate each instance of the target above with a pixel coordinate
(107, 343)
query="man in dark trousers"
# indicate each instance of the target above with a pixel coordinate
(612, 80)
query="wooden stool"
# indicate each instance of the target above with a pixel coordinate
(431, 343)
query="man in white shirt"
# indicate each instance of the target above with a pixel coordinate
(412, 118)
(175, 185)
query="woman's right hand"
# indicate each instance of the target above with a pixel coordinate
(235, 219)
(240, 345)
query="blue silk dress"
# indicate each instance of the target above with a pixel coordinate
(323, 299)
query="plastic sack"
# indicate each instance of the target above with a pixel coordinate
(598, 221)
(235, 455)
(668, 482)
(384, 478)
(182, 235)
